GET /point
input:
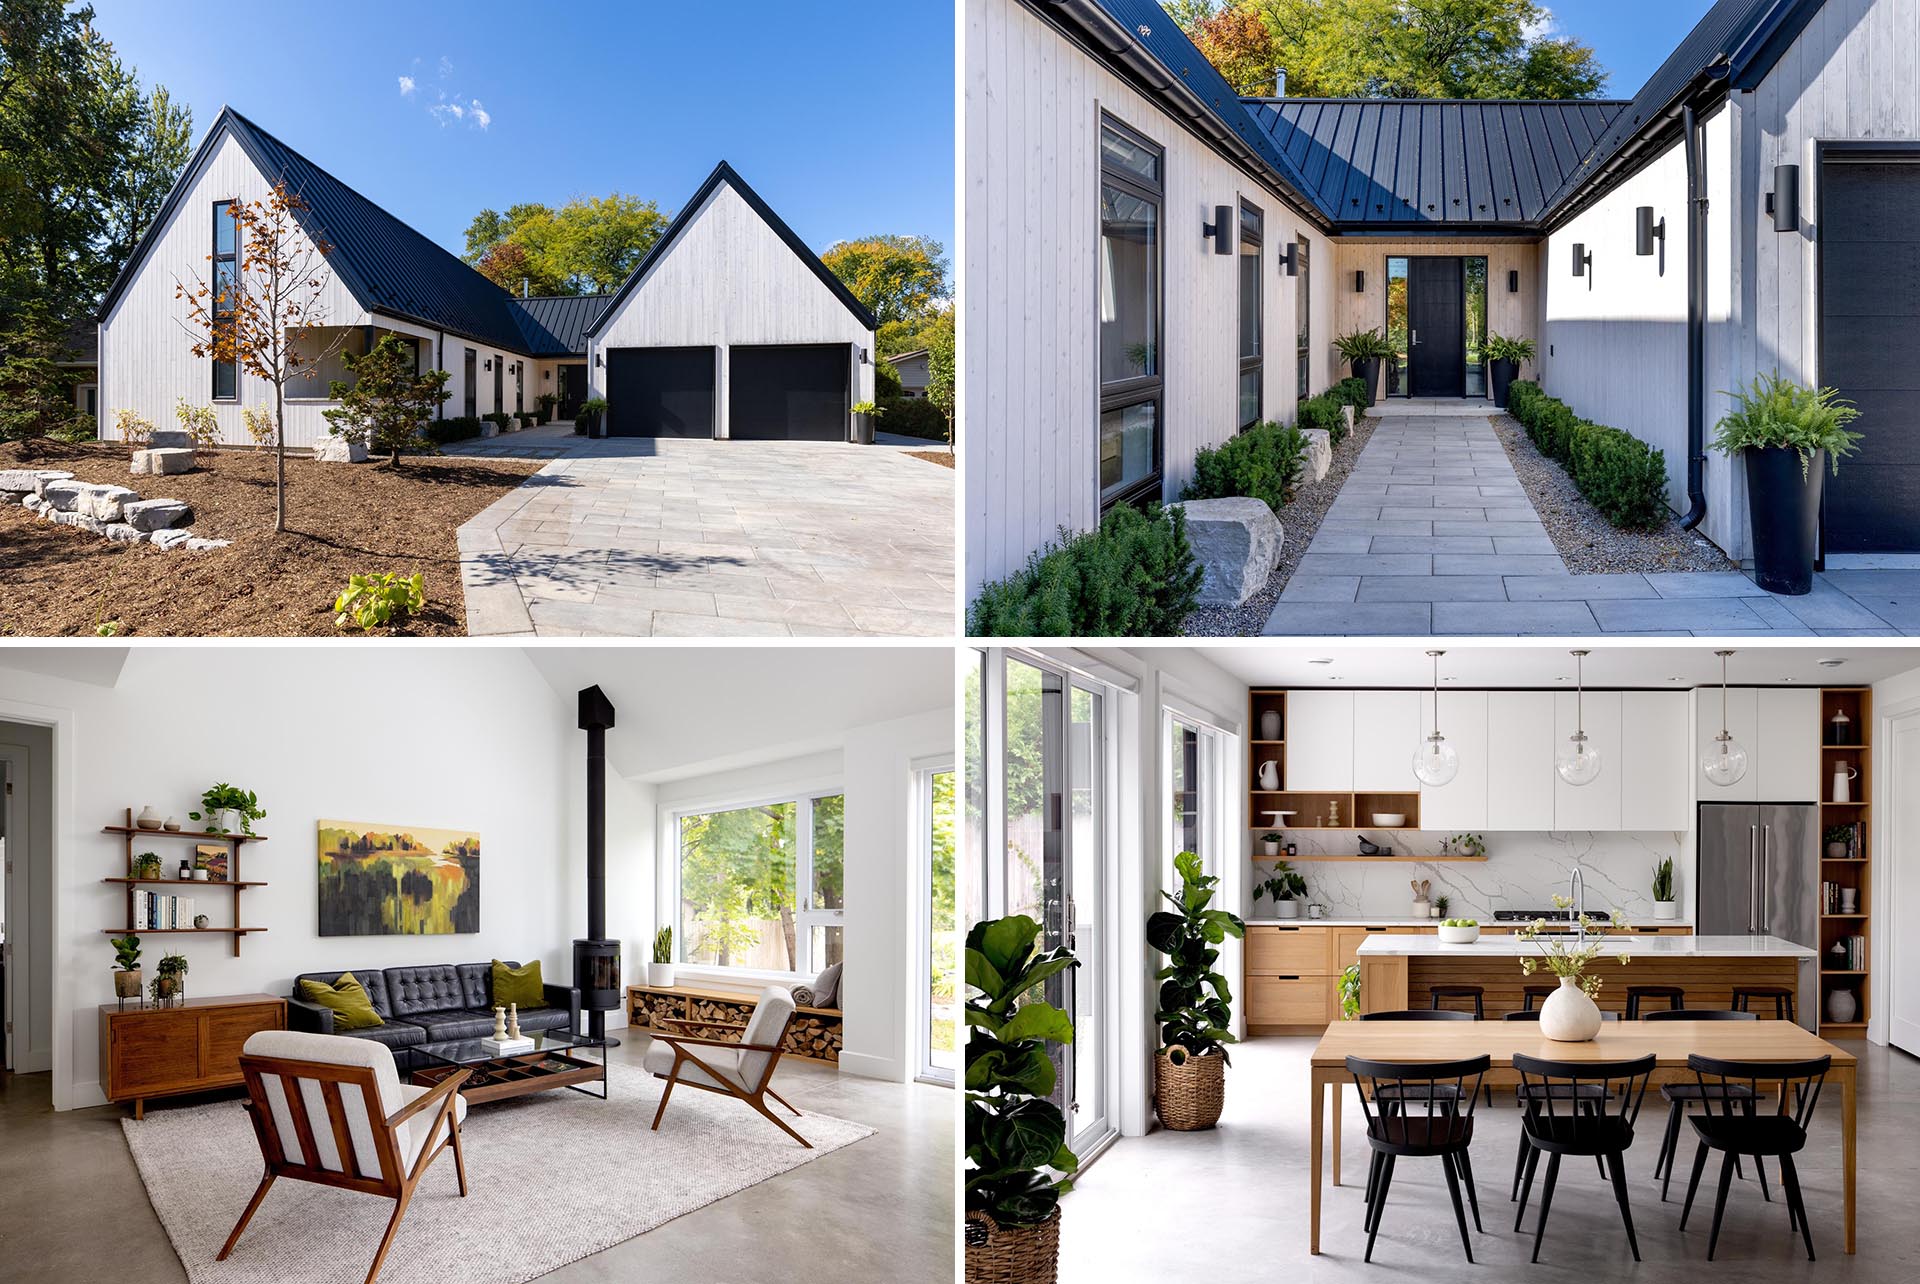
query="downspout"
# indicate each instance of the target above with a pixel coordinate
(1696, 324)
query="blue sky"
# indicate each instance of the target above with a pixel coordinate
(840, 115)
(1630, 37)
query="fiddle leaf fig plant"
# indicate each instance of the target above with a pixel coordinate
(1016, 1136)
(1196, 1007)
(126, 953)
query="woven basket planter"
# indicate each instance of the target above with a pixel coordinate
(1190, 1095)
(999, 1254)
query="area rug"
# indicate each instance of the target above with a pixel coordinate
(553, 1177)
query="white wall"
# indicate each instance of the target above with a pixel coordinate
(1030, 389)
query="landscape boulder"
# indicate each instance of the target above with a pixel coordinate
(1319, 456)
(33, 502)
(1237, 542)
(122, 533)
(164, 462)
(18, 481)
(338, 450)
(48, 478)
(169, 438)
(65, 496)
(197, 545)
(169, 538)
(82, 520)
(106, 502)
(157, 514)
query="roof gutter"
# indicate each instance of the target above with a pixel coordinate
(1702, 91)
(1696, 320)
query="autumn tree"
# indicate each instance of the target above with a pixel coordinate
(509, 266)
(590, 245)
(388, 403)
(267, 317)
(900, 279)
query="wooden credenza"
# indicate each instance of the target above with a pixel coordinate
(160, 1052)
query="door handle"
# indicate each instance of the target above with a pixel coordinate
(1766, 878)
(1413, 337)
(1753, 871)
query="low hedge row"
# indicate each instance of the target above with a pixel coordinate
(442, 431)
(911, 417)
(1327, 410)
(1133, 577)
(1620, 475)
(1261, 463)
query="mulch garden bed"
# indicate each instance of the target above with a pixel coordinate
(944, 458)
(62, 581)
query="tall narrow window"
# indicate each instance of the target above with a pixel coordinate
(1251, 345)
(1397, 326)
(1474, 274)
(470, 383)
(226, 291)
(499, 376)
(1131, 195)
(519, 387)
(940, 1014)
(1302, 320)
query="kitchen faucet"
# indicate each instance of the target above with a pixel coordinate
(1577, 893)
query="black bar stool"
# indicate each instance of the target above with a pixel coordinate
(1529, 993)
(1587, 1125)
(1673, 994)
(1394, 1130)
(1679, 1095)
(1781, 995)
(1474, 992)
(1780, 1134)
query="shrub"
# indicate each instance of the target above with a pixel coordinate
(258, 421)
(527, 418)
(886, 381)
(1324, 411)
(500, 419)
(914, 417)
(1133, 577)
(1351, 391)
(373, 601)
(133, 429)
(200, 424)
(1261, 463)
(592, 410)
(442, 431)
(1621, 476)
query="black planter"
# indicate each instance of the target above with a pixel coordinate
(1783, 512)
(1367, 369)
(1502, 373)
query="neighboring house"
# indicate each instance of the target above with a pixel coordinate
(726, 272)
(912, 369)
(1158, 262)
(83, 363)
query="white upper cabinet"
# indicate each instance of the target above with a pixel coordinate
(1386, 731)
(1653, 760)
(1595, 805)
(1742, 719)
(1787, 747)
(1520, 774)
(1320, 742)
(1461, 803)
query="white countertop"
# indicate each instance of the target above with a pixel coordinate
(1434, 922)
(1513, 946)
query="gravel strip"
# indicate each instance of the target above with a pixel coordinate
(1587, 542)
(1300, 519)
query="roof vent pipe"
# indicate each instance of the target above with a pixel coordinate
(526, 291)
(1279, 82)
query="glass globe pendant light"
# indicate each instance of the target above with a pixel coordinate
(1435, 762)
(1726, 761)
(1578, 762)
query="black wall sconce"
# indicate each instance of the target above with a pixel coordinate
(1783, 202)
(1581, 259)
(1220, 231)
(863, 355)
(1359, 281)
(1289, 261)
(597, 362)
(1513, 280)
(547, 375)
(1646, 231)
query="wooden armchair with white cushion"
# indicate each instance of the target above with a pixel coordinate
(741, 1067)
(356, 1126)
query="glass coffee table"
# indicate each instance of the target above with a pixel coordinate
(555, 1061)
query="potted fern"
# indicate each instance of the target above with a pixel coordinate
(1788, 436)
(1664, 906)
(1504, 358)
(170, 982)
(1017, 1159)
(1195, 1005)
(1363, 351)
(660, 971)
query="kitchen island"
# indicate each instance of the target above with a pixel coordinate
(1398, 971)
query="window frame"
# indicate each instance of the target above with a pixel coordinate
(1302, 319)
(923, 814)
(1125, 394)
(1256, 364)
(220, 210)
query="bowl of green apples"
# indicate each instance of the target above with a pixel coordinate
(1459, 931)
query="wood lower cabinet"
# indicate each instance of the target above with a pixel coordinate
(1288, 1000)
(161, 1052)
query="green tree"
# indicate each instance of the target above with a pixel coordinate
(940, 367)
(737, 867)
(900, 279)
(587, 246)
(389, 401)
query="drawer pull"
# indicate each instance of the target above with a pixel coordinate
(1376, 929)
(1286, 978)
(1286, 929)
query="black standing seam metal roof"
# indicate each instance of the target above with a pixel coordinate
(555, 325)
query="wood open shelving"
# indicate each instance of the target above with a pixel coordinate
(234, 884)
(1849, 871)
(1303, 857)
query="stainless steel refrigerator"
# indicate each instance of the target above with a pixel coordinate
(1759, 875)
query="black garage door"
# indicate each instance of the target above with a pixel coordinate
(1870, 349)
(660, 392)
(788, 393)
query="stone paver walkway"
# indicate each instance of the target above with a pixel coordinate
(633, 538)
(1433, 534)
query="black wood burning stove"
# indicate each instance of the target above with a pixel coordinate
(596, 960)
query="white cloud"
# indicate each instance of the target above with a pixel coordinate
(480, 115)
(1541, 25)
(406, 86)
(446, 66)
(447, 108)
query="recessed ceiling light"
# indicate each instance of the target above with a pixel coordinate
(1786, 679)
(1321, 660)
(1561, 678)
(1831, 664)
(1673, 679)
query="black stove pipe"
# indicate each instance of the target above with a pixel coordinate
(596, 716)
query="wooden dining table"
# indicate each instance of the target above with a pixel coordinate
(1669, 1041)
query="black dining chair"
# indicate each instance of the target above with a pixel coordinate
(1575, 1122)
(1522, 1094)
(1679, 1095)
(1781, 1134)
(1418, 1014)
(1390, 1092)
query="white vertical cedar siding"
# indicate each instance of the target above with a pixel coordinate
(729, 279)
(145, 357)
(1509, 315)
(1030, 393)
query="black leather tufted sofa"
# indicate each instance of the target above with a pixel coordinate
(437, 1003)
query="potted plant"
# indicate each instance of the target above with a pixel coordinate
(170, 980)
(1016, 1139)
(590, 421)
(126, 961)
(864, 413)
(1363, 351)
(1474, 845)
(1569, 1015)
(1504, 358)
(223, 808)
(547, 401)
(1270, 842)
(1195, 1005)
(1664, 905)
(1350, 993)
(1786, 434)
(1440, 904)
(660, 971)
(1283, 883)
(1839, 838)
(147, 865)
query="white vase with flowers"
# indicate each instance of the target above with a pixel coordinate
(1569, 1015)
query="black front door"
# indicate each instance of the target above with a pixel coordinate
(1437, 328)
(573, 390)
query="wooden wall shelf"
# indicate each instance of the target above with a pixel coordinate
(1304, 857)
(233, 884)
(182, 833)
(1847, 871)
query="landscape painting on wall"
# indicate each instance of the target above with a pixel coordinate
(395, 880)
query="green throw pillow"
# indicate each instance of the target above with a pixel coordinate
(519, 985)
(352, 1008)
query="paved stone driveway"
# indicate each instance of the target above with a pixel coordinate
(634, 538)
(1433, 534)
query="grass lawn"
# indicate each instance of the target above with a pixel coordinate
(59, 581)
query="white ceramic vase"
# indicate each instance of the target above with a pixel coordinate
(1842, 1006)
(1270, 774)
(1568, 1015)
(659, 974)
(1270, 725)
(1286, 909)
(1666, 909)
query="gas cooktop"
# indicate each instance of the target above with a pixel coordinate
(1550, 915)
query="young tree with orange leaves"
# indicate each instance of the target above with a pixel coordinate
(261, 315)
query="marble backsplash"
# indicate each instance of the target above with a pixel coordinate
(1522, 871)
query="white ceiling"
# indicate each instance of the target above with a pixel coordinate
(1548, 664)
(76, 661)
(684, 712)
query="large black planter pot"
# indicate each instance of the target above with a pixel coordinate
(1502, 373)
(1783, 511)
(1367, 369)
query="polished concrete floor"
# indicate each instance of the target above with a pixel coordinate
(1230, 1204)
(73, 1210)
